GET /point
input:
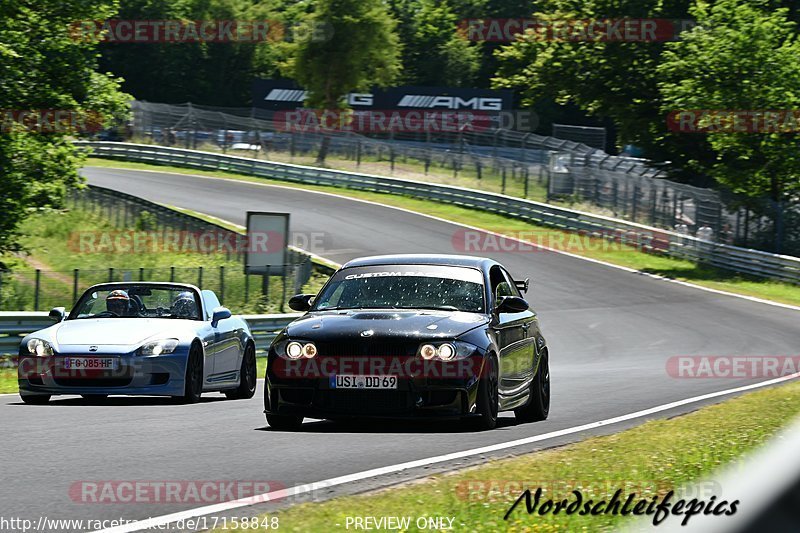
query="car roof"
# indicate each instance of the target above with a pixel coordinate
(481, 263)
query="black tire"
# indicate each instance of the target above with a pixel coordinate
(35, 399)
(193, 388)
(488, 401)
(247, 377)
(284, 422)
(538, 407)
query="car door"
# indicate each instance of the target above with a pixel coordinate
(516, 346)
(224, 337)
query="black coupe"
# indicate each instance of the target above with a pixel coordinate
(411, 336)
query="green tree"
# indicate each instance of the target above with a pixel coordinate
(362, 50)
(45, 67)
(434, 52)
(742, 56)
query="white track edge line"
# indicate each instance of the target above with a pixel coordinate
(162, 521)
(410, 211)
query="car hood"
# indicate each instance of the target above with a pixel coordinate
(117, 331)
(385, 323)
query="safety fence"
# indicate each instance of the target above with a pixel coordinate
(220, 270)
(14, 325)
(754, 262)
(496, 159)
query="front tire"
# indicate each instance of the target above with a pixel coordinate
(538, 407)
(284, 422)
(488, 401)
(35, 399)
(194, 376)
(247, 377)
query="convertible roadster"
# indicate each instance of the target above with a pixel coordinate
(411, 336)
(142, 338)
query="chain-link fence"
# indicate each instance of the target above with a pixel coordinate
(38, 290)
(29, 289)
(520, 164)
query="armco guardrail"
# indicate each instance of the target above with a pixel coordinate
(14, 325)
(743, 260)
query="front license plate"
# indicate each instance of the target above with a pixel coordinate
(91, 363)
(363, 382)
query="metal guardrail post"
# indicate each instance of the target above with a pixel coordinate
(36, 293)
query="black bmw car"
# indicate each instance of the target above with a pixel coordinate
(411, 336)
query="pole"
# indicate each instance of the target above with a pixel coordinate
(36, 293)
(75, 285)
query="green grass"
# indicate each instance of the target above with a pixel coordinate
(8, 380)
(52, 240)
(651, 459)
(587, 247)
(491, 179)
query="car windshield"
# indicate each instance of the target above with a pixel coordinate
(404, 287)
(138, 301)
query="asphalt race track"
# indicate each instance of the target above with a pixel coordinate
(610, 332)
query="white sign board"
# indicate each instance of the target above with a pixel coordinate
(267, 238)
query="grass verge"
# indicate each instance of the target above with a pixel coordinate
(8, 380)
(52, 245)
(570, 242)
(649, 460)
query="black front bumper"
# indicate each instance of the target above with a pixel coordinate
(409, 400)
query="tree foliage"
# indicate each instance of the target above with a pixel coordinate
(742, 56)
(45, 68)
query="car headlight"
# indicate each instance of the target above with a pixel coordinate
(159, 347)
(39, 347)
(296, 350)
(447, 351)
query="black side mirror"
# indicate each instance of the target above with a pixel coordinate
(301, 302)
(511, 304)
(58, 314)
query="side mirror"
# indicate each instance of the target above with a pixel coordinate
(511, 304)
(301, 302)
(219, 314)
(523, 285)
(58, 314)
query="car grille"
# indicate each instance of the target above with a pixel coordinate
(364, 402)
(348, 348)
(93, 382)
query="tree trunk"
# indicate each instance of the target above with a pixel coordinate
(323, 149)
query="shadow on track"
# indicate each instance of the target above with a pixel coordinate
(120, 401)
(371, 425)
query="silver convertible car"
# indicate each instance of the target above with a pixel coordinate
(142, 338)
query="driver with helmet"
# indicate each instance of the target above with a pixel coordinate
(118, 302)
(184, 305)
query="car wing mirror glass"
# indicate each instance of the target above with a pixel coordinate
(511, 304)
(301, 302)
(219, 314)
(58, 314)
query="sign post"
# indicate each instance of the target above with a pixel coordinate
(267, 238)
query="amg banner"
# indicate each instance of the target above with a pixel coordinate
(285, 95)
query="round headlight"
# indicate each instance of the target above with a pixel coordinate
(294, 350)
(427, 351)
(309, 350)
(39, 347)
(447, 352)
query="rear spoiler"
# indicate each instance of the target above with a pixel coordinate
(523, 285)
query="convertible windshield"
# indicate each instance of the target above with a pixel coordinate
(138, 301)
(404, 287)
